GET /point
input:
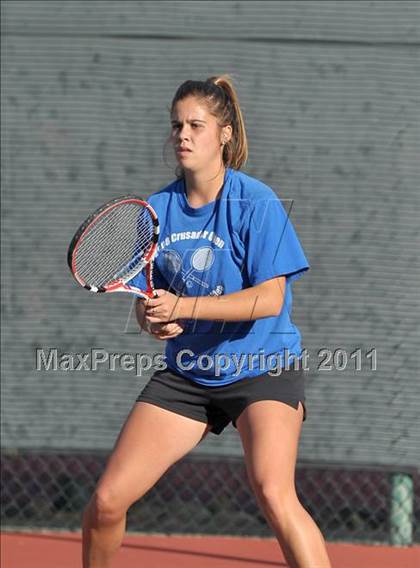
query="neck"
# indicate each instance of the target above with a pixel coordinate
(202, 187)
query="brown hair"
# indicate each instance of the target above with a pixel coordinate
(222, 100)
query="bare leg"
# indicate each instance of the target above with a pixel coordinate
(151, 440)
(270, 433)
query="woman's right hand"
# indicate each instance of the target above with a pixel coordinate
(161, 331)
(165, 331)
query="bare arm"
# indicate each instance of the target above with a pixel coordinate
(260, 301)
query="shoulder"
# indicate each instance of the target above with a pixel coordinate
(252, 203)
(248, 194)
(249, 188)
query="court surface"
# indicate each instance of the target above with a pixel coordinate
(62, 550)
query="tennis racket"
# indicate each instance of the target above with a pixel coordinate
(115, 243)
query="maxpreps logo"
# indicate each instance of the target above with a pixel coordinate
(52, 359)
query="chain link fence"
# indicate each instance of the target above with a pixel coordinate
(211, 495)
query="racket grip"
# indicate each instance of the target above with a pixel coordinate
(149, 279)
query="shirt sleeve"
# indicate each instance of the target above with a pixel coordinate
(271, 244)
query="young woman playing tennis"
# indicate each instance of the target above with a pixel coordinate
(227, 257)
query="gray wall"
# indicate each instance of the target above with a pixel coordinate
(330, 92)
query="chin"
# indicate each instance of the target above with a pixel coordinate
(183, 161)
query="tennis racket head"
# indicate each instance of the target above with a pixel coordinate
(113, 245)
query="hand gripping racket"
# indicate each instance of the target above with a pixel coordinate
(115, 243)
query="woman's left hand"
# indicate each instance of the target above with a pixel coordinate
(164, 308)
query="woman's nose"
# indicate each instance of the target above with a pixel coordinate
(183, 132)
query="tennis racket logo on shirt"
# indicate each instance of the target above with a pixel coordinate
(113, 245)
(201, 261)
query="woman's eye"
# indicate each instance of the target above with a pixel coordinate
(178, 126)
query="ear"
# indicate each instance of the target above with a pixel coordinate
(226, 133)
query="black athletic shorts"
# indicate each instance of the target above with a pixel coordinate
(219, 406)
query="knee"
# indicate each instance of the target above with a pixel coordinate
(276, 496)
(104, 508)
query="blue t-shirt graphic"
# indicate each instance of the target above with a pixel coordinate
(239, 240)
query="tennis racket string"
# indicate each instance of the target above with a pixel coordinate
(114, 246)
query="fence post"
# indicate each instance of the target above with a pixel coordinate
(401, 512)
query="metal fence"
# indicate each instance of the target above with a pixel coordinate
(211, 495)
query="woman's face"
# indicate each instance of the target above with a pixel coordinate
(196, 136)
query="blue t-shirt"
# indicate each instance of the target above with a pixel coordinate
(237, 241)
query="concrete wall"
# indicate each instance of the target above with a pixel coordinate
(330, 93)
